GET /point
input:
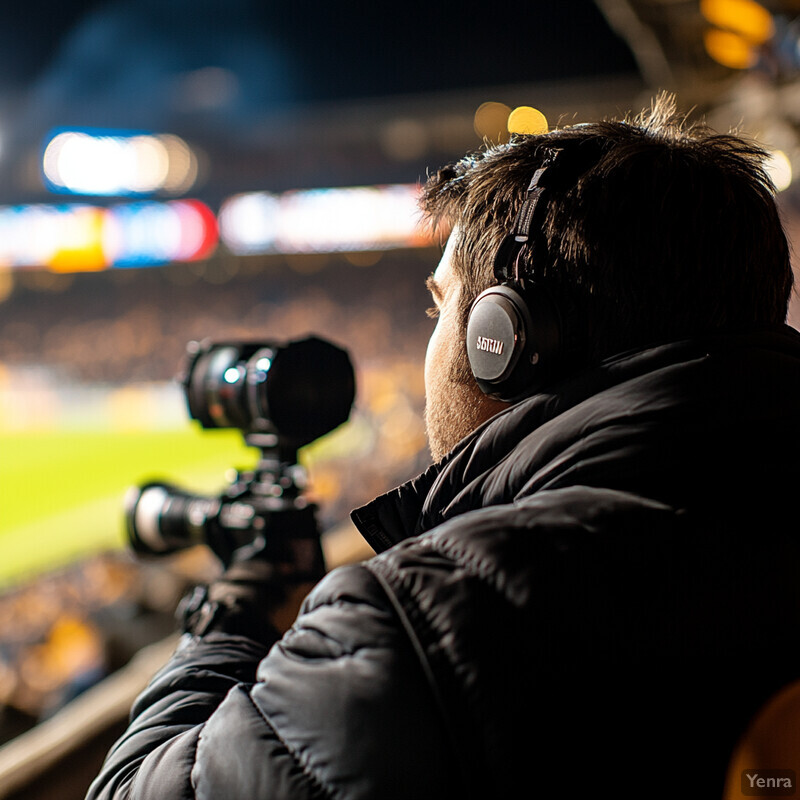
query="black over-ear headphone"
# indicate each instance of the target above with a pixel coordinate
(514, 329)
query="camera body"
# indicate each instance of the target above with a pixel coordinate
(281, 396)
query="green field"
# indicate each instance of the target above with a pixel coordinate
(61, 494)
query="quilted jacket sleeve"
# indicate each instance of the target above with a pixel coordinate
(338, 708)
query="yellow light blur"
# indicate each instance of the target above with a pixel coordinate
(779, 169)
(745, 17)
(525, 119)
(6, 283)
(81, 247)
(729, 49)
(491, 122)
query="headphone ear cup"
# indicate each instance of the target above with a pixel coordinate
(496, 335)
(513, 339)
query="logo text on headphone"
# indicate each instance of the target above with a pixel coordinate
(490, 345)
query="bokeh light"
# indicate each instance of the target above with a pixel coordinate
(491, 122)
(117, 164)
(744, 17)
(729, 49)
(527, 120)
(82, 238)
(323, 220)
(779, 168)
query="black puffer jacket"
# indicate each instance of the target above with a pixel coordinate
(595, 589)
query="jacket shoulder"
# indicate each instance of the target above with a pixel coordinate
(339, 706)
(516, 549)
(505, 601)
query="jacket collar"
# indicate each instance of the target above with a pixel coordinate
(396, 515)
(420, 504)
(522, 449)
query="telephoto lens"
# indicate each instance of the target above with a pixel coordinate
(161, 518)
(298, 391)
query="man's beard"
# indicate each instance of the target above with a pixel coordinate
(454, 407)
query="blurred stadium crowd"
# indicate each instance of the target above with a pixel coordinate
(62, 633)
(59, 633)
(124, 326)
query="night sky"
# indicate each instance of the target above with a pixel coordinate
(214, 71)
(299, 51)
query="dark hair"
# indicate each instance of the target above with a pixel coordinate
(654, 229)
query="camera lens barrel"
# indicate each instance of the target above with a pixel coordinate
(215, 385)
(162, 519)
(298, 391)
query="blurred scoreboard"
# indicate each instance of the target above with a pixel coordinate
(82, 237)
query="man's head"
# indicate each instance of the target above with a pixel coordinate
(653, 231)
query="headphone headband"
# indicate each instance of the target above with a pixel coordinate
(525, 227)
(514, 331)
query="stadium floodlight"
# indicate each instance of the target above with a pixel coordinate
(116, 163)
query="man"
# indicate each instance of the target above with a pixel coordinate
(595, 584)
